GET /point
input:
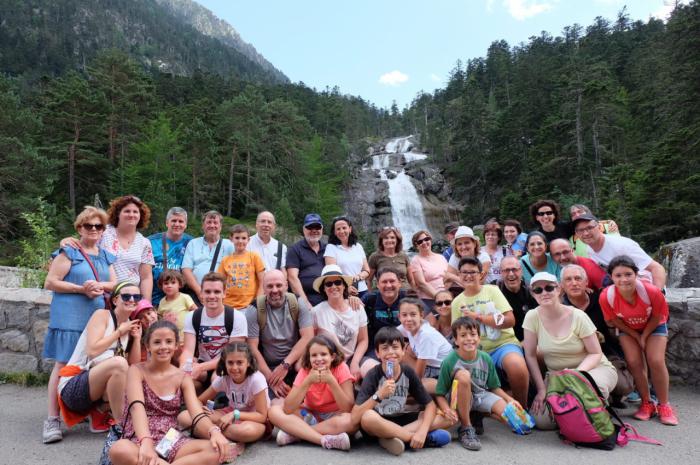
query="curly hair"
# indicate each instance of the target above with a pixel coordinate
(234, 347)
(545, 203)
(336, 355)
(117, 204)
(88, 213)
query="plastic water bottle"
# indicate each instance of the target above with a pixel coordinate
(308, 417)
(187, 366)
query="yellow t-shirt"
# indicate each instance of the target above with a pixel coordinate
(179, 306)
(241, 278)
(488, 301)
(567, 351)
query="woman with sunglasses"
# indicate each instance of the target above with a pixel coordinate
(390, 254)
(335, 319)
(566, 338)
(546, 214)
(77, 292)
(344, 250)
(441, 316)
(96, 371)
(427, 268)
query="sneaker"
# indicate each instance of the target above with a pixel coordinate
(438, 438)
(666, 414)
(284, 438)
(395, 446)
(336, 441)
(468, 438)
(52, 430)
(99, 421)
(646, 411)
(633, 397)
(477, 421)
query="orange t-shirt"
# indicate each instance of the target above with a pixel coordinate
(241, 278)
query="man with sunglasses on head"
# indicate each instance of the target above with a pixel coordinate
(603, 248)
(305, 260)
(516, 292)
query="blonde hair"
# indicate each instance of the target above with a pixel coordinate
(90, 212)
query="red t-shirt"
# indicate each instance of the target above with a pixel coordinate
(319, 397)
(635, 315)
(595, 273)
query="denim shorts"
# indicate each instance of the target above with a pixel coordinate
(497, 355)
(661, 330)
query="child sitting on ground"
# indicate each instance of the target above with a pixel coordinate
(175, 304)
(478, 386)
(380, 405)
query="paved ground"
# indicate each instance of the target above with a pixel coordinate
(22, 411)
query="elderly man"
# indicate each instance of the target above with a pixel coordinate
(204, 254)
(562, 253)
(305, 260)
(272, 251)
(287, 327)
(516, 292)
(603, 248)
(169, 246)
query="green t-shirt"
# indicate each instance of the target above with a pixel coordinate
(482, 370)
(488, 301)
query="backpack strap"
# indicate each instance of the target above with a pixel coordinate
(279, 255)
(529, 268)
(228, 319)
(641, 292)
(262, 313)
(165, 251)
(293, 306)
(216, 256)
(196, 323)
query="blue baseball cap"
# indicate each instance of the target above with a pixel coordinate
(312, 218)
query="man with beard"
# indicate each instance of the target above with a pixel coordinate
(305, 260)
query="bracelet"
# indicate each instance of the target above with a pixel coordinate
(214, 429)
(140, 440)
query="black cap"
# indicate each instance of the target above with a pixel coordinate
(584, 217)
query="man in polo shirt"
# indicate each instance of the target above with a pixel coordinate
(603, 248)
(272, 251)
(305, 260)
(382, 305)
(562, 253)
(283, 339)
(516, 292)
(175, 242)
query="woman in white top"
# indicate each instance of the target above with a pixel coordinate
(344, 250)
(465, 244)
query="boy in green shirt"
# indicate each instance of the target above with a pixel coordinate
(478, 387)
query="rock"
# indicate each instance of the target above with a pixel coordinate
(16, 314)
(46, 366)
(39, 329)
(18, 363)
(682, 260)
(14, 340)
(683, 351)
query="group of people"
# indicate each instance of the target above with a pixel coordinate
(323, 342)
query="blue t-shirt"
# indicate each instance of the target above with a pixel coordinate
(176, 252)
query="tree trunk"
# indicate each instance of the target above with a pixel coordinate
(230, 181)
(194, 187)
(71, 166)
(596, 147)
(579, 127)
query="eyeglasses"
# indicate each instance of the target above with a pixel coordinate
(340, 218)
(587, 229)
(509, 270)
(337, 282)
(548, 213)
(443, 303)
(469, 273)
(314, 227)
(540, 290)
(92, 226)
(425, 239)
(134, 297)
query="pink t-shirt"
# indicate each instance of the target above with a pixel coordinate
(319, 397)
(433, 267)
(635, 315)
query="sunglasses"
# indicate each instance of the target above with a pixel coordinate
(314, 227)
(547, 213)
(425, 239)
(134, 297)
(337, 282)
(95, 227)
(443, 303)
(540, 290)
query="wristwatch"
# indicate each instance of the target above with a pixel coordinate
(285, 365)
(375, 397)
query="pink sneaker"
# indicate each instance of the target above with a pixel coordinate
(646, 411)
(666, 414)
(284, 439)
(336, 441)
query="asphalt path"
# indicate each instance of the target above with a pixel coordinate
(22, 411)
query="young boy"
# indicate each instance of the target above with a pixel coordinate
(380, 404)
(478, 386)
(175, 304)
(243, 271)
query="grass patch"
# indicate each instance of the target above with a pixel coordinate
(25, 379)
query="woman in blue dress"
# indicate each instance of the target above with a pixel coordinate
(77, 293)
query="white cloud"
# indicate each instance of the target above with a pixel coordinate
(664, 11)
(523, 9)
(393, 78)
(434, 77)
(489, 6)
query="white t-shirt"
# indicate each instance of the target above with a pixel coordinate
(268, 251)
(617, 245)
(349, 260)
(340, 327)
(428, 344)
(212, 332)
(454, 259)
(242, 396)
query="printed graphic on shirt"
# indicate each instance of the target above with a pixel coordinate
(394, 405)
(238, 275)
(345, 333)
(212, 340)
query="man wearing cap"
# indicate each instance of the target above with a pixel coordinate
(603, 248)
(272, 251)
(516, 292)
(562, 253)
(169, 246)
(305, 260)
(449, 233)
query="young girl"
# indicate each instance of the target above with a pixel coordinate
(428, 348)
(175, 305)
(245, 418)
(323, 387)
(155, 390)
(441, 318)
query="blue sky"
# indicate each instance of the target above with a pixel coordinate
(386, 50)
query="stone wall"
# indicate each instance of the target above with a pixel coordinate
(24, 319)
(683, 352)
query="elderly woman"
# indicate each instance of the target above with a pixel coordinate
(427, 268)
(606, 226)
(566, 338)
(335, 319)
(546, 214)
(465, 244)
(537, 258)
(390, 254)
(96, 371)
(78, 278)
(639, 311)
(344, 250)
